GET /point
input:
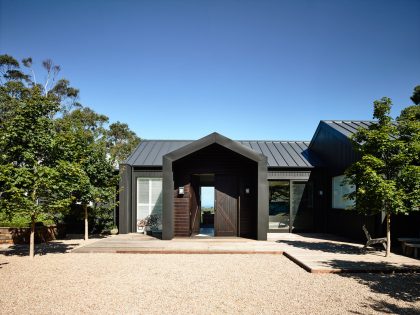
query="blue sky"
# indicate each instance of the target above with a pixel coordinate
(246, 69)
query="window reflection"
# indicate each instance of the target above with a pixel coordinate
(279, 206)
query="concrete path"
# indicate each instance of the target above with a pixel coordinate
(316, 253)
(323, 253)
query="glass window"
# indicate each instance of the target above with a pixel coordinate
(301, 208)
(339, 191)
(279, 205)
(149, 199)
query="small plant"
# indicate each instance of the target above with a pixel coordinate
(114, 230)
(142, 223)
(151, 222)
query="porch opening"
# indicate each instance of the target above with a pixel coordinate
(207, 195)
(238, 181)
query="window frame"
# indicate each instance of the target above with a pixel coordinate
(344, 189)
(149, 204)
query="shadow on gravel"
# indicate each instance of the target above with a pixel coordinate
(401, 283)
(1, 264)
(401, 286)
(40, 249)
(328, 247)
(390, 308)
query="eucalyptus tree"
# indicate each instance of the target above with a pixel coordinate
(33, 182)
(53, 151)
(121, 141)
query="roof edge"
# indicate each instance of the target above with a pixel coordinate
(211, 139)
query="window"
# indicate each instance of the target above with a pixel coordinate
(149, 198)
(339, 191)
(279, 205)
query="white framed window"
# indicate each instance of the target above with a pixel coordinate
(339, 190)
(149, 198)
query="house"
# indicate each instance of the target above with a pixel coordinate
(259, 186)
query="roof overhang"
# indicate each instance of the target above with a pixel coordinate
(215, 138)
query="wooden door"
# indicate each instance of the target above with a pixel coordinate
(195, 207)
(226, 205)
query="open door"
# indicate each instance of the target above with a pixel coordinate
(226, 205)
(195, 210)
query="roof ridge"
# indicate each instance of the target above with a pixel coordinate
(348, 120)
(177, 140)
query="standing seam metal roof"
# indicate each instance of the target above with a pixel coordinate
(347, 127)
(290, 154)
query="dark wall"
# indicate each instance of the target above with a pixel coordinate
(216, 159)
(333, 148)
(125, 197)
(342, 222)
(337, 154)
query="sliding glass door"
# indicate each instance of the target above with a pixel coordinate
(279, 206)
(290, 206)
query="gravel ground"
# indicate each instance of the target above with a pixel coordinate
(59, 282)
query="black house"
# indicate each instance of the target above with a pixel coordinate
(258, 186)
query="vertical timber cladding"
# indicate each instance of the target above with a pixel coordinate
(124, 208)
(226, 207)
(218, 160)
(195, 205)
(182, 212)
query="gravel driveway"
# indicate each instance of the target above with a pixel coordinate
(70, 283)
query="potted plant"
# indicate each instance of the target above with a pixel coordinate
(141, 225)
(114, 230)
(150, 225)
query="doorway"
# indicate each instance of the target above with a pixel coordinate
(207, 194)
(214, 206)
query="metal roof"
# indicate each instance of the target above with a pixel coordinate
(348, 127)
(290, 154)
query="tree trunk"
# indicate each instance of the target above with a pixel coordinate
(85, 207)
(388, 234)
(32, 239)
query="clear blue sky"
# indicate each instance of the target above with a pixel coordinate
(247, 69)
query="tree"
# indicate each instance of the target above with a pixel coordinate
(416, 95)
(53, 151)
(121, 141)
(387, 176)
(82, 140)
(32, 181)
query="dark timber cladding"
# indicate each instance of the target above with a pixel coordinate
(236, 169)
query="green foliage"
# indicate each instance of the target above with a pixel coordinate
(20, 221)
(416, 95)
(81, 138)
(121, 141)
(387, 177)
(53, 151)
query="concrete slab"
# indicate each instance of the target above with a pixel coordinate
(322, 253)
(141, 244)
(316, 253)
